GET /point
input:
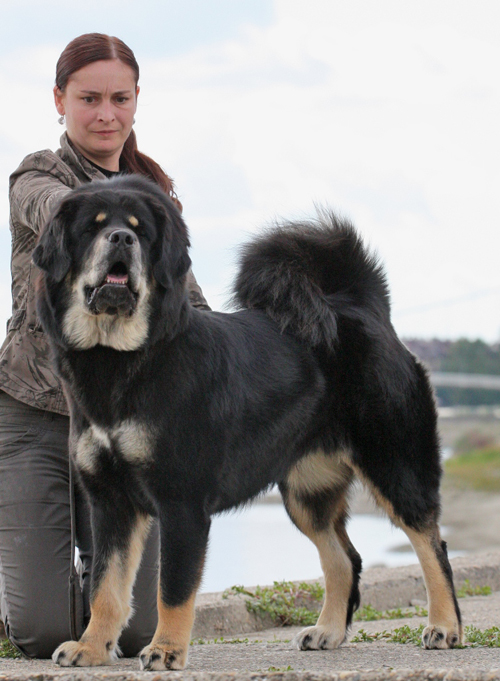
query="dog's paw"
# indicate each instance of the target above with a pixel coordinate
(77, 654)
(436, 636)
(318, 638)
(160, 656)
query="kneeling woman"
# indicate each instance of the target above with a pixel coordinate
(44, 597)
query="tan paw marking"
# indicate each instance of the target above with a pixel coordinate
(76, 654)
(318, 638)
(160, 656)
(436, 636)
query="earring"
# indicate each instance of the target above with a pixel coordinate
(60, 120)
(133, 121)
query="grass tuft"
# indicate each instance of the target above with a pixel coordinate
(369, 614)
(287, 603)
(474, 637)
(479, 469)
(468, 590)
(489, 637)
(404, 634)
(8, 650)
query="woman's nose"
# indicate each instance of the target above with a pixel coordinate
(105, 112)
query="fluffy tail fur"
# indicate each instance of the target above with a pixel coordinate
(305, 275)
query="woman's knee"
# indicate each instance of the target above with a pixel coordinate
(32, 633)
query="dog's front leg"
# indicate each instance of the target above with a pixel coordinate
(119, 534)
(184, 535)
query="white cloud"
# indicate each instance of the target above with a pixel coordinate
(388, 114)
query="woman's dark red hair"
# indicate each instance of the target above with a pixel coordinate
(92, 47)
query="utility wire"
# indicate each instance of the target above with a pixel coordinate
(447, 303)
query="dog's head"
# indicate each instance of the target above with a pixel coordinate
(114, 257)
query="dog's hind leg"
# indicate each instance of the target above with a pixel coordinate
(395, 450)
(184, 535)
(116, 561)
(315, 496)
(445, 625)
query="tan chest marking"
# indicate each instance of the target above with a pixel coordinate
(88, 446)
(131, 440)
(134, 440)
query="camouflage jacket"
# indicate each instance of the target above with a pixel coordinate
(42, 179)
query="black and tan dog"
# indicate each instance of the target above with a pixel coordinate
(180, 413)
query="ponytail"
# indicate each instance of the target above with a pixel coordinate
(134, 161)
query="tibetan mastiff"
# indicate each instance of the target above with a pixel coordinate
(180, 413)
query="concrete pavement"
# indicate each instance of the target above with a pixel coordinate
(250, 651)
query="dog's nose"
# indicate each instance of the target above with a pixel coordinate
(122, 237)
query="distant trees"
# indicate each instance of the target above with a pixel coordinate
(465, 357)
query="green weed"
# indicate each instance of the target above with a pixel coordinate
(474, 637)
(287, 603)
(489, 637)
(221, 640)
(369, 614)
(468, 590)
(230, 640)
(403, 634)
(406, 634)
(8, 650)
(479, 469)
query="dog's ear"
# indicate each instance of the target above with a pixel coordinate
(171, 259)
(51, 253)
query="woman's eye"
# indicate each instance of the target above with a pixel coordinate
(88, 100)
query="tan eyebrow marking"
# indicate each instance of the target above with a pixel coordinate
(133, 221)
(100, 217)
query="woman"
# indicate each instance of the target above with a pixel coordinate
(43, 599)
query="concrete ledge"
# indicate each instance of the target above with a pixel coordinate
(217, 616)
(383, 588)
(397, 587)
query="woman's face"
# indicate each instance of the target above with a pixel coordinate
(99, 104)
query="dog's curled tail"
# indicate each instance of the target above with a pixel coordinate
(307, 275)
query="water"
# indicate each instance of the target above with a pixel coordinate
(260, 545)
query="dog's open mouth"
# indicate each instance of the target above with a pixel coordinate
(114, 296)
(118, 275)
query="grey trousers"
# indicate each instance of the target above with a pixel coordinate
(44, 599)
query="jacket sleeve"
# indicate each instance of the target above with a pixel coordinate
(33, 196)
(196, 297)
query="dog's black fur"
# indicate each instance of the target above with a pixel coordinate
(309, 376)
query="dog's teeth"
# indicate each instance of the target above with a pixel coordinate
(113, 279)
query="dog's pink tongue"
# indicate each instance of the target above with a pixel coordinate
(117, 279)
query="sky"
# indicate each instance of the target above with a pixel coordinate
(386, 111)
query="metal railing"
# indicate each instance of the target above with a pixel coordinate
(451, 380)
